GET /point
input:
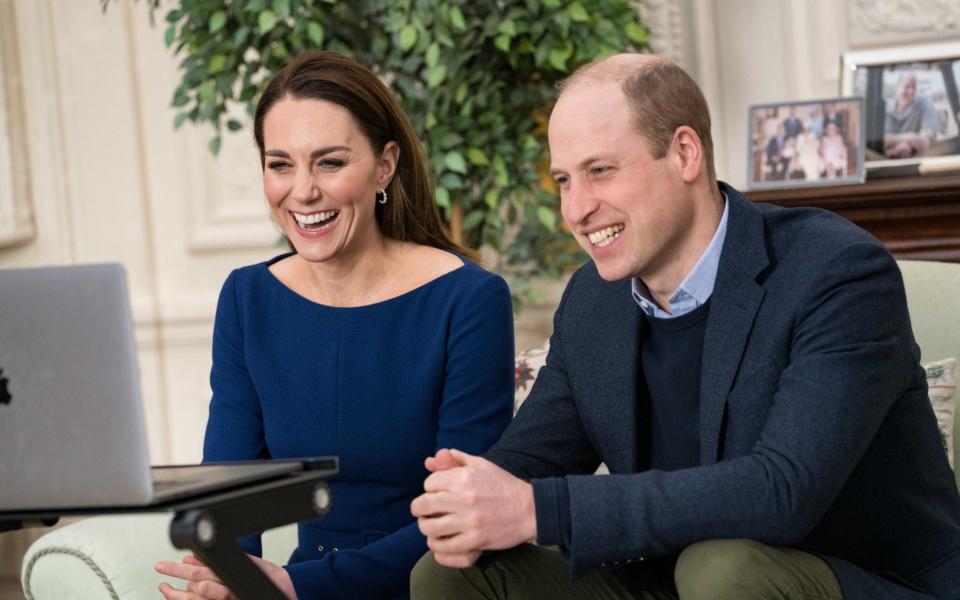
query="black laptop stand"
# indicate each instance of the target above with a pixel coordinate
(209, 524)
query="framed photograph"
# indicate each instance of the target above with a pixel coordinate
(815, 142)
(911, 103)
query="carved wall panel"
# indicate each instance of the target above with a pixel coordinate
(16, 209)
(875, 23)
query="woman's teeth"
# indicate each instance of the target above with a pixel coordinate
(319, 218)
(605, 236)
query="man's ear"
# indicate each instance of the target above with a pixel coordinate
(687, 150)
(388, 163)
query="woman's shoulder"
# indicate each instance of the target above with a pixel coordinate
(242, 281)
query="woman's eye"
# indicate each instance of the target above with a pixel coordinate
(330, 163)
(277, 166)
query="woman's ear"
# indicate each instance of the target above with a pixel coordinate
(689, 152)
(388, 163)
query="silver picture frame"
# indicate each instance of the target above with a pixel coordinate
(805, 143)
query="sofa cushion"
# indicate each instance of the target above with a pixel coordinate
(942, 384)
(526, 367)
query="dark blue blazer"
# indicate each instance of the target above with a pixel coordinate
(815, 428)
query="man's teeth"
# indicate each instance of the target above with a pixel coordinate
(605, 236)
(315, 217)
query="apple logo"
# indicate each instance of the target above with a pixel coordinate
(5, 396)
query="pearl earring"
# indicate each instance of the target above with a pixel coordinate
(382, 196)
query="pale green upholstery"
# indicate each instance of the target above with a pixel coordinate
(113, 557)
(933, 298)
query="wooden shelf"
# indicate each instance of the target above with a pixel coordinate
(916, 217)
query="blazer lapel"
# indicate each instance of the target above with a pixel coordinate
(734, 304)
(615, 363)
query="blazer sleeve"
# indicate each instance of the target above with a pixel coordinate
(475, 408)
(546, 438)
(235, 422)
(849, 362)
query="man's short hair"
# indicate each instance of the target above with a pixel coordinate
(662, 97)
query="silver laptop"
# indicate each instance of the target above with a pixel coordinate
(72, 431)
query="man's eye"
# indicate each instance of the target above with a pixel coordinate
(599, 170)
(561, 181)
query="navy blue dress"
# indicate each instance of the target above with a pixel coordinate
(381, 386)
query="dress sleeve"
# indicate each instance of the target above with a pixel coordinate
(475, 408)
(235, 421)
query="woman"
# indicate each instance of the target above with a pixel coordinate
(375, 340)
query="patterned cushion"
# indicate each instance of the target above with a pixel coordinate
(942, 384)
(526, 367)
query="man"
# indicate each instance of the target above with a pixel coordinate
(792, 125)
(910, 121)
(775, 154)
(747, 373)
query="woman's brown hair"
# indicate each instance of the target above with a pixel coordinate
(410, 214)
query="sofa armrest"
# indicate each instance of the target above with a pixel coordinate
(113, 557)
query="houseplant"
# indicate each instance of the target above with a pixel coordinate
(476, 78)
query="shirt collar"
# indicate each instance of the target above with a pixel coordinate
(696, 287)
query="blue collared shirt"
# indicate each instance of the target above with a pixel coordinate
(696, 287)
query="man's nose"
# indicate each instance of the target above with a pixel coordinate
(577, 203)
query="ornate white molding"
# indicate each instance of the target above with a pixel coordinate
(16, 209)
(229, 211)
(907, 16)
(664, 20)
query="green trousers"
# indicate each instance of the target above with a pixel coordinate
(714, 570)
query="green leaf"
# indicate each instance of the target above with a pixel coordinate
(578, 13)
(508, 28)
(215, 145)
(240, 36)
(436, 76)
(408, 37)
(472, 220)
(461, 93)
(547, 217)
(451, 181)
(169, 36)
(180, 118)
(455, 162)
(491, 198)
(433, 54)
(502, 42)
(255, 5)
(205, 91)
(477, 157)
(636, 33)
(315, 33)
(551, 4)
(266, 21)
(174, 15)
(216, 63)
(281, 8)
(443, 197)
(234, 125)
(558, 60)
(217, 21)
(502, 178)
(456, 19)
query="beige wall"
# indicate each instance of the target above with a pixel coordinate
(91, 169)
